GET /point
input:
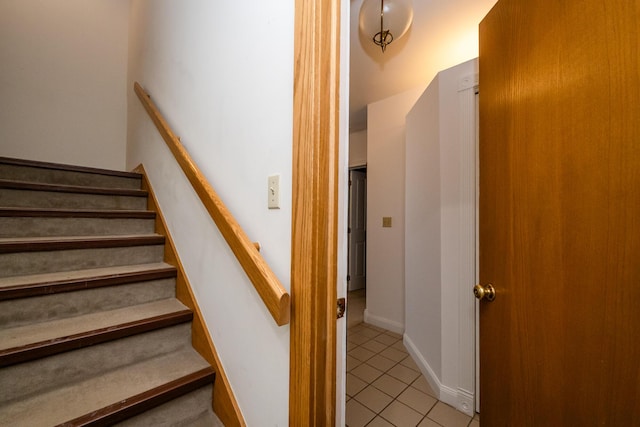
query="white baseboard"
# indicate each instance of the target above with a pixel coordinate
(460, 399)
(381, 322)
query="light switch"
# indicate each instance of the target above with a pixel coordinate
(274, 192)
(386, 221)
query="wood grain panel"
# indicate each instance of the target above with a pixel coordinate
(560, 213)
(314, 223)
(224, 402)
(273, 294)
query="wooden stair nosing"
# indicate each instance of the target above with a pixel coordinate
(142, 402)
(70, 285)
(77, 189)
(83, 242)
(70, 168)
(41, 349)
(11, 212)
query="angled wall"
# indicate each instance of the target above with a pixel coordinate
(440, 243)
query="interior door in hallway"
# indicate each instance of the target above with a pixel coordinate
(560, 213)
(357, 229)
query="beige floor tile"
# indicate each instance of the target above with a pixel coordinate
(352, 363)
(400, 414)
(380, 422)
(361, 353)
(373, 399)
(351, 346)
(356, 415)
(474, 423)
(393, 354)
(369, 333)
(389, 385)
(356, 329)
(422, 385)
(447, 416)
(354, 385)
(393, 334)
(400, 346)
(358, 338)
(476, 416)
(375, 328)
(366, 373)
(403, 373)
(417, 400)
(410, 363)
(381, 363)
(428, 423)
(373, 345)
(386, 339)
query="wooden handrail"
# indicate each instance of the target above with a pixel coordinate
(275, 297)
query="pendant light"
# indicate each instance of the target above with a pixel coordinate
(384, 21)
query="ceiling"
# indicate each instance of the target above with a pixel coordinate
(444, 33)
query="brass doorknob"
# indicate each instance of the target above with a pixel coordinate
(484, 292)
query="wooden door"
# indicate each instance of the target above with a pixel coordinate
(560, 213)
(357, 229)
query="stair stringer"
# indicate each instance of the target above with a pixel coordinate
(224, 402)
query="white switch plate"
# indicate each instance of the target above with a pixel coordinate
(274, 192)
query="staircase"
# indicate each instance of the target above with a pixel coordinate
(91, 332)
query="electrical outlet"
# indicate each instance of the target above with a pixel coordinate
(274, 192)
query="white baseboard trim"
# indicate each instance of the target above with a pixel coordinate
(465, 402)
(460, 399)
(381, 322)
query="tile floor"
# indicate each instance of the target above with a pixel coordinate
(384, 385)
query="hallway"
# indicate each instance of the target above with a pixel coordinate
(384, 385)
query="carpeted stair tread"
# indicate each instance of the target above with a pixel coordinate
(48, 243)
(35, 171)
(48, 283)
(69, 226)
(66, 188)
(145, 384)
(23, 380)
(191, 410)
(74, 213)
(19, 341)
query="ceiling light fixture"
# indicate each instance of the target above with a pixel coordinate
(385, 21)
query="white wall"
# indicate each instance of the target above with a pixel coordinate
(358, 148)
(227, 91)
(63, 68)
(440, 233)
(385, 197)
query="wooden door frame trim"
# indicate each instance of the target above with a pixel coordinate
(312, 386)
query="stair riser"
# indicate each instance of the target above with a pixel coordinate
(44, 227)
(59, 200)
(39, 376)
(44, 308)
(52, 176)
(192, 410)
(23, 263)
